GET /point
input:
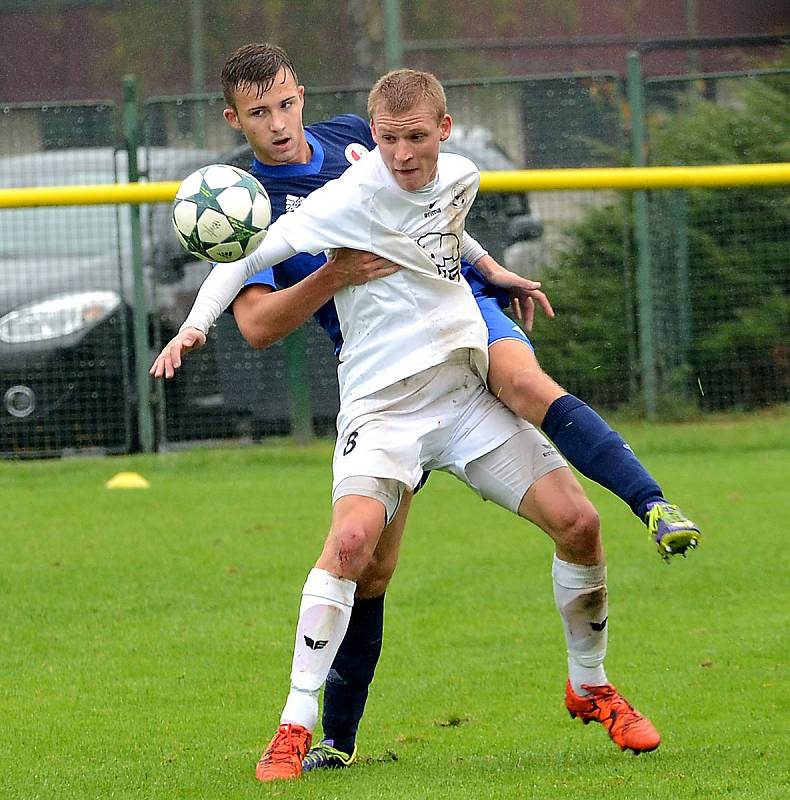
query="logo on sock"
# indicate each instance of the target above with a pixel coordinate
(320, 644)
(596, 626)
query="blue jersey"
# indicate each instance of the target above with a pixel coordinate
(335, 144)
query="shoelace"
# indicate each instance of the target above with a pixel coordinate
(673, 516)
(282, 748)
(319, 751)
(323, 750)
(624, 712)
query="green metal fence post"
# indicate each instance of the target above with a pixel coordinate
(393, 43)
(644, 273)
(197, 57)
(142, 352)
(297, 370)
(680, 224)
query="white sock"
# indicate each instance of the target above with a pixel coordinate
(581, 598)
(323, 620)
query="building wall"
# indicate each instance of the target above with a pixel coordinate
(80, 50)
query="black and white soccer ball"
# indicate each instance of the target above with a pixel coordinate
(221, 213)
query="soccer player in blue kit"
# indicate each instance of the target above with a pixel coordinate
(264, 101)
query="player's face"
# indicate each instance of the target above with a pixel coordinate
(409, 143)
(272, 122)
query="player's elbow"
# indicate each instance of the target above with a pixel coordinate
(258, 337)
(253, 316)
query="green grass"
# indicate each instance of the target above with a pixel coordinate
(145, 635)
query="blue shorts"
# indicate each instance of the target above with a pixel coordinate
(500, 325)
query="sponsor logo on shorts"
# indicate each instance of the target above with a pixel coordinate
(316, 644)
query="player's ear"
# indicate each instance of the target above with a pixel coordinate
(373, 130)
(445, 126)
(232, 118)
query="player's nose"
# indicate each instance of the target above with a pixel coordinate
(402, 152)
(276, 122)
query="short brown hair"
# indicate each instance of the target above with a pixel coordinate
(255, 65)
(401, 90)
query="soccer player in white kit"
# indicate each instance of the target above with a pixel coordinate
(413, 397)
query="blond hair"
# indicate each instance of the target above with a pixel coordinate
(402, 90)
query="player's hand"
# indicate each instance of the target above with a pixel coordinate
(169, 360)
(523, 299)
(524, 294)
(355, 267)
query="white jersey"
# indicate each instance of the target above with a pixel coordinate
(393, 327)
(397, 326)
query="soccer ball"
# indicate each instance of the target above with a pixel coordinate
(221, 213)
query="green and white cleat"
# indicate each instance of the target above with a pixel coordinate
(325, 756)
(673, 533)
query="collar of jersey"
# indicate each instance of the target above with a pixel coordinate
(312, 167)
(412, 194)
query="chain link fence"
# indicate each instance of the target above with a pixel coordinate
(720, 267)
(719, 290)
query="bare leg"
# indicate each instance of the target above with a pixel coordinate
(346, 689)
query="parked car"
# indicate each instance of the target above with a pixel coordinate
(66, 288)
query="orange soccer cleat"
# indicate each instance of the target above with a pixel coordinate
(627, 728)
(282, 759)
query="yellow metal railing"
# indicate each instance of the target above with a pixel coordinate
(725, 175)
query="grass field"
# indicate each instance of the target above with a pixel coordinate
(146, 634)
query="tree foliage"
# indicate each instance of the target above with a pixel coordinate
(739, 277)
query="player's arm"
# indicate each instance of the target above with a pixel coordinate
(265, 316)
(523, 291)
(215, 294)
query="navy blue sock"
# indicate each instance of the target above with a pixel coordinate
(346, 689)
(599, 452)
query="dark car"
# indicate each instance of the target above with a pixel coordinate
(66, 288)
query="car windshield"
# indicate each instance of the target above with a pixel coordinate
(67, 231)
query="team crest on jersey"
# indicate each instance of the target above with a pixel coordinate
(292, 202)
(459, 195)
(355, 151)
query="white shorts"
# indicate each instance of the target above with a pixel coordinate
(442, 418)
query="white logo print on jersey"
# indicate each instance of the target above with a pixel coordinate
(445, 251)
(355, 151)
(292, 202)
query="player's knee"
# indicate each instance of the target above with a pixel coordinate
(354, 547)
(577, 531)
